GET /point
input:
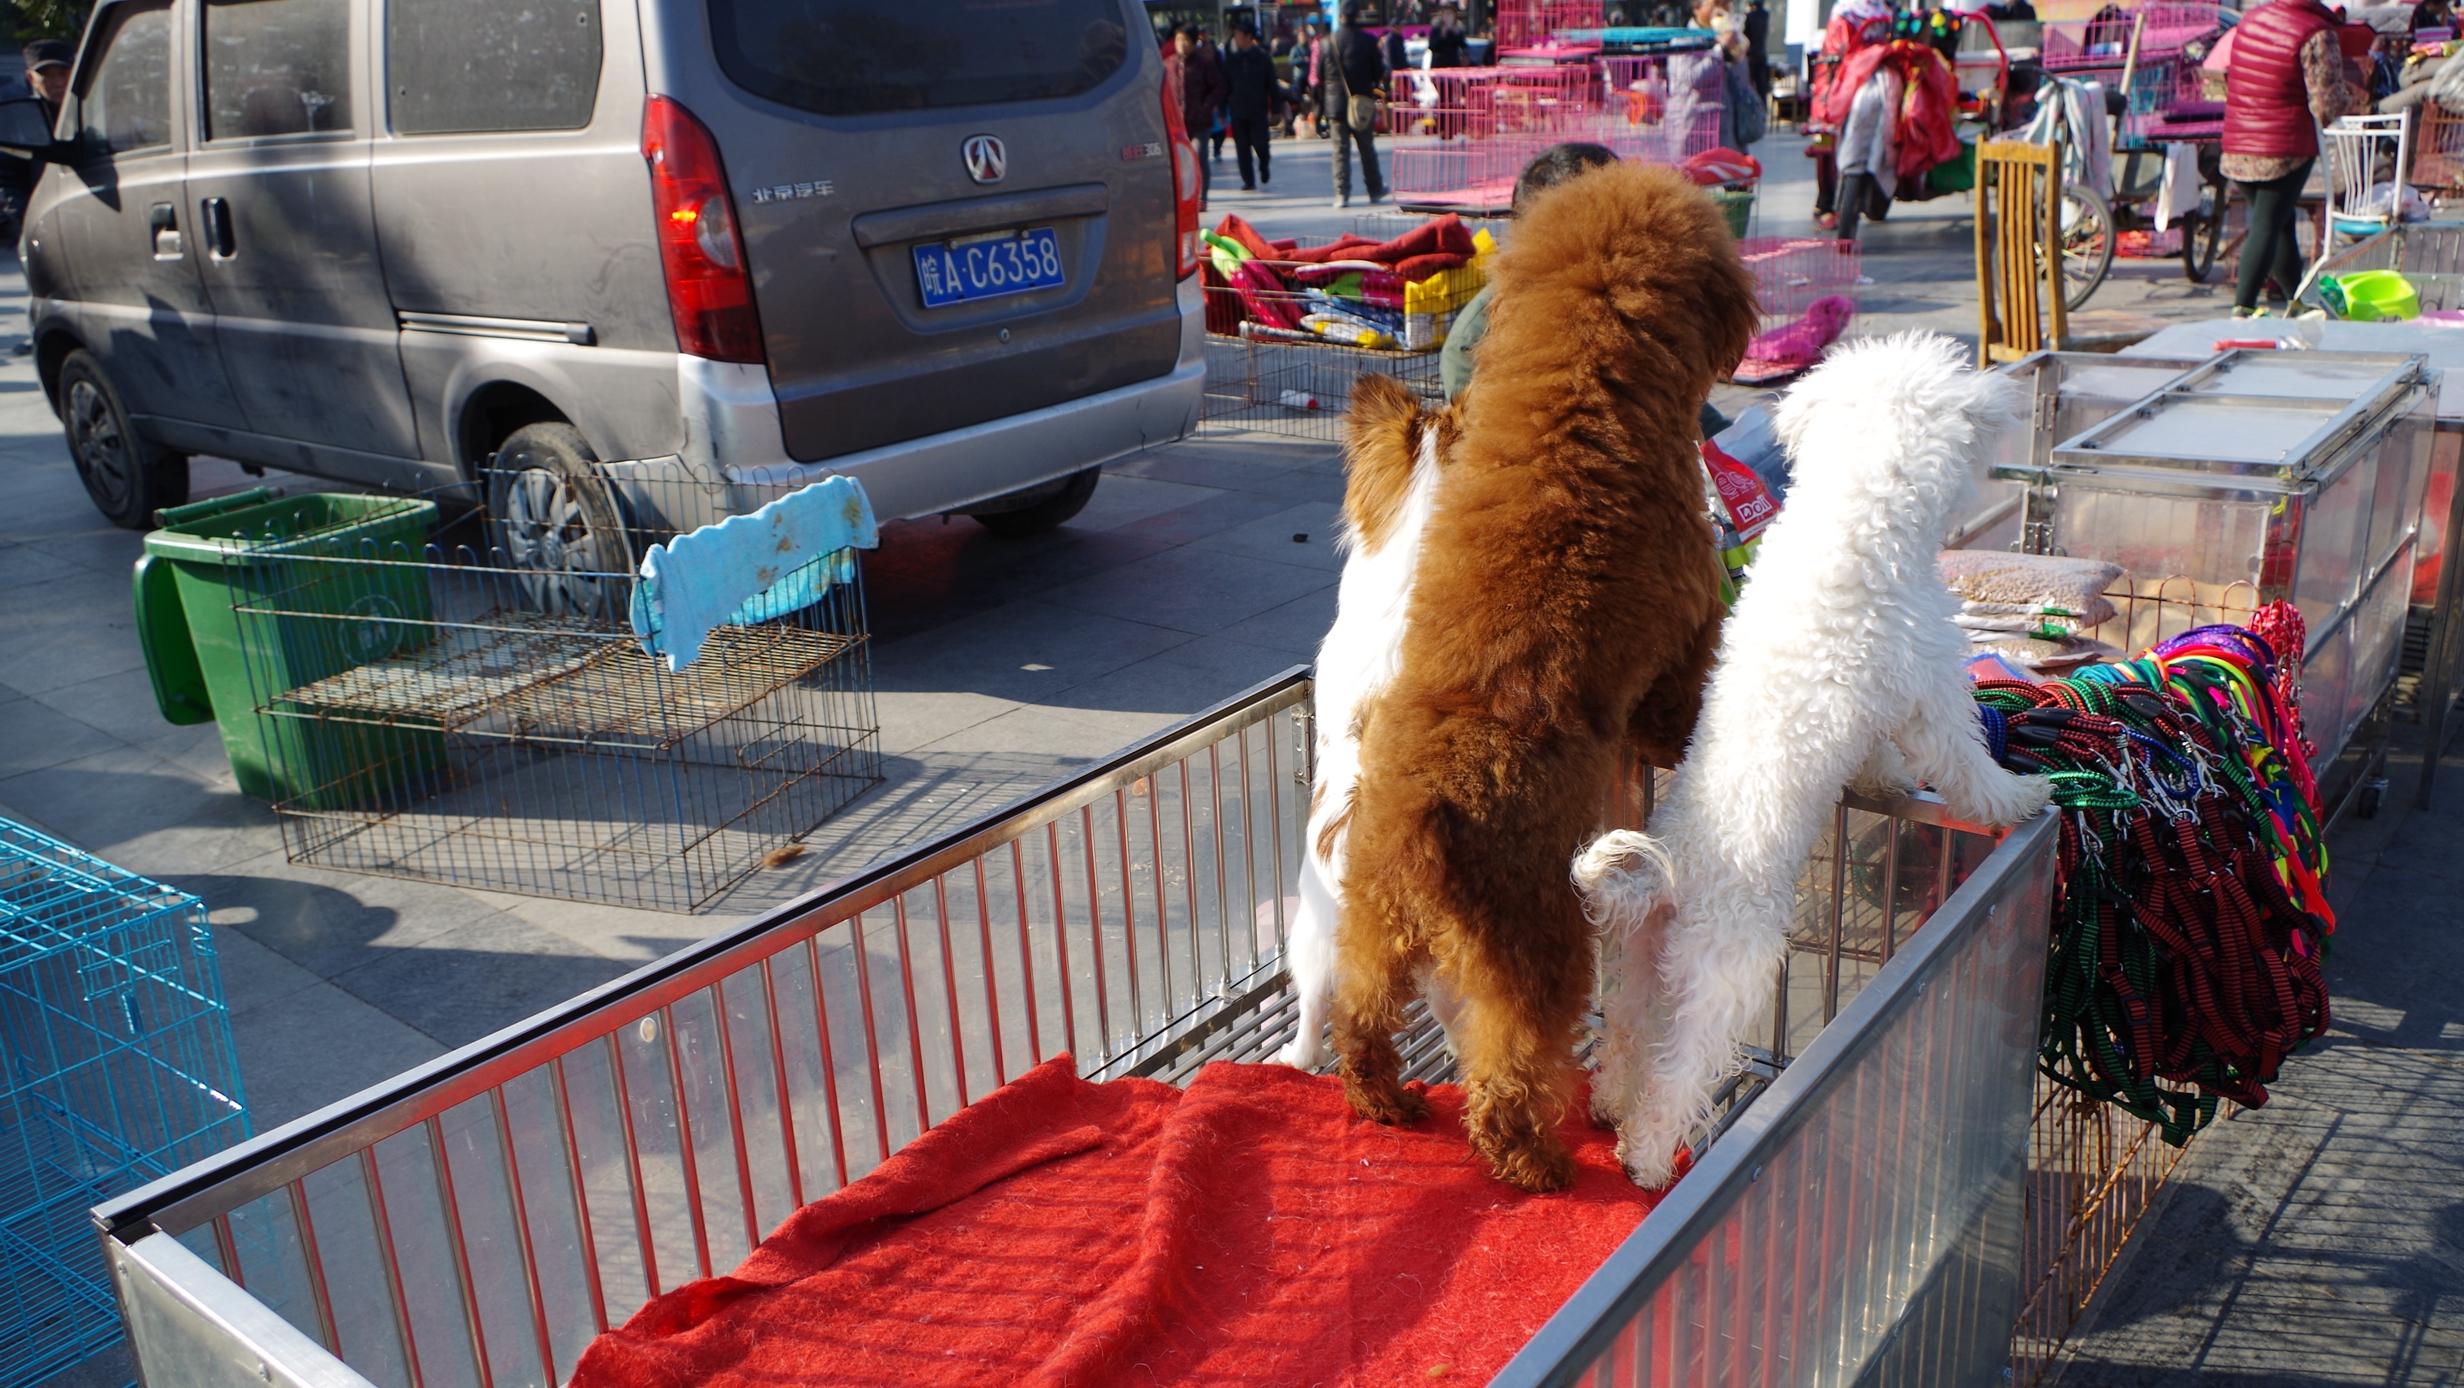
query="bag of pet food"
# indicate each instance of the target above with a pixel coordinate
(1744, 503)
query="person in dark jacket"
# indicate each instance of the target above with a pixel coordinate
(1355, 79)
(1449, 46)
(1392, 48)
(47, 69)
(1758, 47)
(1249, 105)
(1198, 77)
(2287, 79)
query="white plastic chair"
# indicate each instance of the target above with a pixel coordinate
(2360, 200)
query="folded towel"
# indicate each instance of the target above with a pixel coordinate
(751, 568)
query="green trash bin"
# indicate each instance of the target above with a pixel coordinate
(244, 598)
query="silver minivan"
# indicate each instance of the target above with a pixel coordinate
(534, 249)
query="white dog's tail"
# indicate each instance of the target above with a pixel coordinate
(1620, 876)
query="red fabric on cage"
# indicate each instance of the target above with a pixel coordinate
(1061, 1232)
(1236, 229)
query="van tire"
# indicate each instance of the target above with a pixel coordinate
(127, 477)
(555, 521)
(1047, 505)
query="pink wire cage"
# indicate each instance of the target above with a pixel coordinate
(1530, 23)
(1793, 275)
(1479, 131)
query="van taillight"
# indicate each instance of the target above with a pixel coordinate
(1185, 185)
(708, 290)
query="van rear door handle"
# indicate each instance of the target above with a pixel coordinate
(165, 222)
(218, 228)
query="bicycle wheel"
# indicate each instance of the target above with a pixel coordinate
(2203, 237)
(2087, 244)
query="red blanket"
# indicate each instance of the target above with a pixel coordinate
(1245, 1230)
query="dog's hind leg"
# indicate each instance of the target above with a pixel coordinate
(1625, 881)
(1663, 722)
(1523, 1005)
(1945, 745)
(1446, 1005)
(1374, 979)
(1309, 955)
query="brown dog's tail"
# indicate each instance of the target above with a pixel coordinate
(1381, 444)
(1629, 265)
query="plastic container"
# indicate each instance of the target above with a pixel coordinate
(219, 645)
(2370, 296)
(1737, 205)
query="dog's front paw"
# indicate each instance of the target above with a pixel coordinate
(1301, 1053)
(2017, 799)
(1885, 775)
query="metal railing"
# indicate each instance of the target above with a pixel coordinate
(1860, 1221)
(479, 1220)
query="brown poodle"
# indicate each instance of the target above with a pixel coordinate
(1564, 607)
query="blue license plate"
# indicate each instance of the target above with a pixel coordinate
(988, 267)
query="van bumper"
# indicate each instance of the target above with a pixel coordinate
(733, 437)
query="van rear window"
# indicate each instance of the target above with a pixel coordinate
(856, 57)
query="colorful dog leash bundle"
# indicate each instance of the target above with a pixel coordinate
(2189, 927)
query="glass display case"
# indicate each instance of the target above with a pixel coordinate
(2225, 484)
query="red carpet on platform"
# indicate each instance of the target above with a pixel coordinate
(1245, 1230)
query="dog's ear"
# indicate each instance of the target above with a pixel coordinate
(1731, 315)
(1381, 443)
(1658, 249)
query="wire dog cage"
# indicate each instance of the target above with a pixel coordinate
(481, 1221)
(1274, 379)
(119, 1070)
(480, 711)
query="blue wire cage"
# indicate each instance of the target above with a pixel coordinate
(116, 1067)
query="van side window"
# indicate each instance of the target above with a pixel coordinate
(126, 104)
(458, 66)
(276, 67)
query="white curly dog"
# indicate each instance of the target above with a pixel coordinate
(1839, 664)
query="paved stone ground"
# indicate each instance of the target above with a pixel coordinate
(1197, 570)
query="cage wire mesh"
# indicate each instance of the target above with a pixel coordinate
(1135, 917)
(119, 1071)
(478, 710)
(1267, 375)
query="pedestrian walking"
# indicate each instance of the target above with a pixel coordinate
(1449, 45)
(1249, 105)
(1698, 104)
(2287, 79)
(47, 69)
(1758, 47)
(1219, 131)
(1850, 116)
(1355, 78)
(1309, 74)
(1198, 78)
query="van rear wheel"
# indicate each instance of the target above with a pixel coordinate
(1039, 508)
(557, 524)
(127, 478)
